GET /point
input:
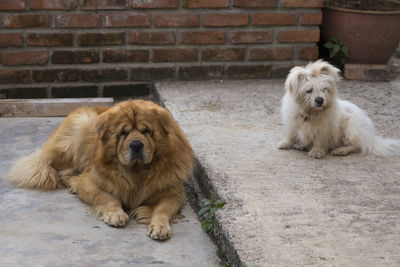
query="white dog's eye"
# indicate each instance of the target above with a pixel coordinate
(325, 88)
(309, 91)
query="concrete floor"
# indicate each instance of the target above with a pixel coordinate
(282, 207)
(56, 229)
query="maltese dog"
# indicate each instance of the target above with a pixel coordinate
(318, 122)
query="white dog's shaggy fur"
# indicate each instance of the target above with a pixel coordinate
(317, 121)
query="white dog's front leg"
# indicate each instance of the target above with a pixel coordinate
(317, 151)
(289, 140)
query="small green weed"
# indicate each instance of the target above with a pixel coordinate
(337, 49)
(209, 207)
(226, 264)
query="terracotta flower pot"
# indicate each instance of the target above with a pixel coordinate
(371, 36)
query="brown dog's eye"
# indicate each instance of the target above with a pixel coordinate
(145, 131)
(124, 133)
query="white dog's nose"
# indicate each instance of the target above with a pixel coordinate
(319, 101)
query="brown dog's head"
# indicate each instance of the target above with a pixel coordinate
(133, 131)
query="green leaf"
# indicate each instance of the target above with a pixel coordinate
(205, 202)
(334, 39)
(345, 50)
(328, 45)
(336, 49)
(220, 203)
(203, 210)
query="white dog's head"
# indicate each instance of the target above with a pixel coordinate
(314, 87)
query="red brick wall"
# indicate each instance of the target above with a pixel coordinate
(99, 43)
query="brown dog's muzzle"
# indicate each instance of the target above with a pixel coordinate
(136, 152)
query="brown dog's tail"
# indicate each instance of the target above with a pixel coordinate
(34, 172)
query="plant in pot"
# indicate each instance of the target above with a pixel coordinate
(369, 29)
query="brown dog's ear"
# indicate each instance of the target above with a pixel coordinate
(165, 120)
(102, 124)
(295, 78)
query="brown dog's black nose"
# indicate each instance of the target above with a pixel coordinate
(136, 146)
(319, 100)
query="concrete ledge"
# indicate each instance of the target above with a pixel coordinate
(47, 107)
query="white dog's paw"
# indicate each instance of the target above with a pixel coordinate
(159, 231)
(316, 153)
(115, 217)
(285, 145)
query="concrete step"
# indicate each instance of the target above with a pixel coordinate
(284, 208)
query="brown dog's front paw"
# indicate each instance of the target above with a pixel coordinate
(159, 231)
(115, 217)
(316, 153)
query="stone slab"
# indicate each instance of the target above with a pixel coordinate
(367, 72)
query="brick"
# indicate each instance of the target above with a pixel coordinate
(248, 72)
(26, 21)
(48, 107)
(14, 76)
(101, 39)
(152, 38)
(175, 55)
(281, 71)
(74, 91)
(308, 53)
(311, 18)
(275, 19)
(302, 3)
(52, 5)
(24, 93)
(75, 57)
(10, 39)
(254, 3)
(214, 37)
(177, 20)
(12, 5)
(127, 90)
(152, 73)
(220, 20)
(271, 53)
(367, 72)
(297, 36)
(49, 39)
(155, 4)
(251, 37)
(55, 75)
(104, 4)
(78, 20)
(125, 56)
(205, 3)
(127, 20)
(223, 54)
(201, 72)
(25, 58)
(103, 75)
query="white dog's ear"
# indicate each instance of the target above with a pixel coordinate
(295, 78)
(328, 69)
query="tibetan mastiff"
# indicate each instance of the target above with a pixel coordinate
(129, 159)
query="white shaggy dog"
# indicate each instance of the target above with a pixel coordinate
(317, 121)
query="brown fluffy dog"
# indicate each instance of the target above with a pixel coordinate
(132, 157)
